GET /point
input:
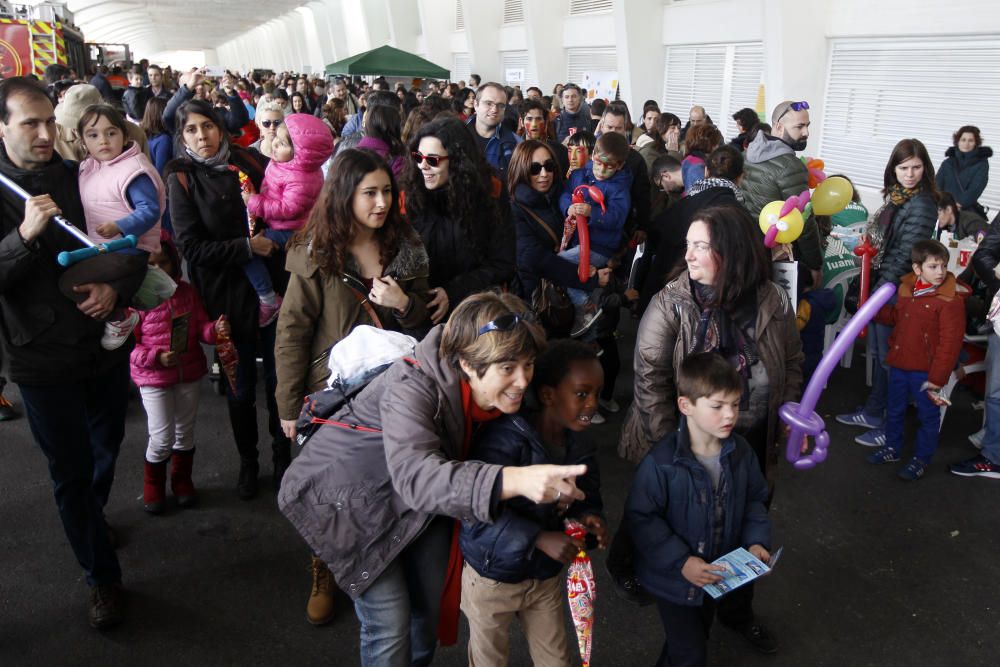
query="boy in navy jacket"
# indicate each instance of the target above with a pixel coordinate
(512, 565)
(697, 495)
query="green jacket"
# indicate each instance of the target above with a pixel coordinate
(773, 173)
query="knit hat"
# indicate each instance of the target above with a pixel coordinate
(76, 101)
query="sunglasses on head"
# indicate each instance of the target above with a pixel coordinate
(536, 167)
(504, 323)
(794, 106)
(267, 124)
(432, 160)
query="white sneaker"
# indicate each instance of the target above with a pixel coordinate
(116, 333)
(598, 418)
(977, 438)
(610, 405)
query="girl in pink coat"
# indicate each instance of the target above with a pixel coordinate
(292, 183)
(167, 364)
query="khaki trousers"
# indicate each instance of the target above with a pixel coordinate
(491, 606)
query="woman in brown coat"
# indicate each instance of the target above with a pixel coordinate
(355, 262)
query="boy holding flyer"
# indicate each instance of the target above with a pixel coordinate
(697, 495)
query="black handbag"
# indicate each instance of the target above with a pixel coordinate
(549, 301)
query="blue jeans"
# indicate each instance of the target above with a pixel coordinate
(256, 270)
(903, 386)
(991, 440)
(79, 427)
(243, 402)
(578, 296)
(399, 612)
(878, 347)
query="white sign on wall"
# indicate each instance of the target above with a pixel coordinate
(600, 84)
(514, 75)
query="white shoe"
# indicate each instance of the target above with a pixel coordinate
(610, 405)
(116, 333)
(598, 418)
(977, 438)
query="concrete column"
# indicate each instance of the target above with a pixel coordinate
(638, 36)
(482, 30)
(404, 23)
(314, 53)
(376, 17)
(355, 26)
(437, 22)
(542, 21)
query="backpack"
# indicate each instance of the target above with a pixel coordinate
(354, 362)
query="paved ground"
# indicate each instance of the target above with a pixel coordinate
(875, 571)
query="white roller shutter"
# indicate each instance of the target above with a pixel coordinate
(882, 90)
(596, 59)
(461, 67)
(723, 78)
(459, 16)
(518, 60)
(577, 7)
(513, 11)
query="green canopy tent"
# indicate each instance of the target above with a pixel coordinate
(387, 61)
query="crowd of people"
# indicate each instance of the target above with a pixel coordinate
(278, 213)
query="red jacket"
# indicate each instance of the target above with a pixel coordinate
(153, 333)
(928, 329)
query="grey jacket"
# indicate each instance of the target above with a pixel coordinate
(666, 336)
(359, 496)
(773, 173)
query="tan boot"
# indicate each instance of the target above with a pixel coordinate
(320, 609)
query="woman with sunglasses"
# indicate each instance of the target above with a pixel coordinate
(270, 114)
(378, 490)
(725, 302)
(534, 182)
(210, 227)
(452, 199)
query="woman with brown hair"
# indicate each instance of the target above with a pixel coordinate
(966, 169)
(698, 143)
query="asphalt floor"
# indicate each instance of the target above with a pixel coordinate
(875, 571)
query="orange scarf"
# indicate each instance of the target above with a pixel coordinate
(451, 596)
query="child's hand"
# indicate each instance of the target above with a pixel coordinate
(558, 546)
(597, 527)
(167, 359)
(603, 276)
(108, 230)
(933, 393)
(222, 328)
(700, 573)
(760, 552)
(580, 209)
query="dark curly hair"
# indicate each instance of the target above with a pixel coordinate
(331, 226)
(471, 203)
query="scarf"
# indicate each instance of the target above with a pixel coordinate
(451, 596)
(920, 288)
(730, 334)
(879, 229)
(218, 162)
(716, 182)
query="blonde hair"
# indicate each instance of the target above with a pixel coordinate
(268, 103)
(461, 339)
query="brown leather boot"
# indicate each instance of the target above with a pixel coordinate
(320, 609)
(154, 482)
(180, 478)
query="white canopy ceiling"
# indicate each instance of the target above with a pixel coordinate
(160, 25)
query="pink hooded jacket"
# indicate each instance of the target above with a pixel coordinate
(152, 336)
(291, 188)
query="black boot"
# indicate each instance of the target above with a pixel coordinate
(246, 487)
(243, 418)
(281, 457)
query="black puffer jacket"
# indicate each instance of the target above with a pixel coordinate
(464, 262)
(965, 175)
(914, 221)
(46, 339)
(210, 225)
(987, 257)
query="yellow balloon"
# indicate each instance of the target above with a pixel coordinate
(832, 195)
(792, 222)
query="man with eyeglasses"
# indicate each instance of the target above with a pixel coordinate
(773, 172)
(495, 142)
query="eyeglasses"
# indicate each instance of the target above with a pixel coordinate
(536, 167)
(794, 106)
(504, 323)
(700, 247)
(432, 160)
(490, 106)
(267, 124)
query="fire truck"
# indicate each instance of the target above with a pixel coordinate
(34, 37)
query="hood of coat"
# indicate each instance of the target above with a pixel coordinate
(764, 148)
(527, 195)
(312, 144)
(951, 287)
(76, 100)
(975, 155)
(445, 376)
